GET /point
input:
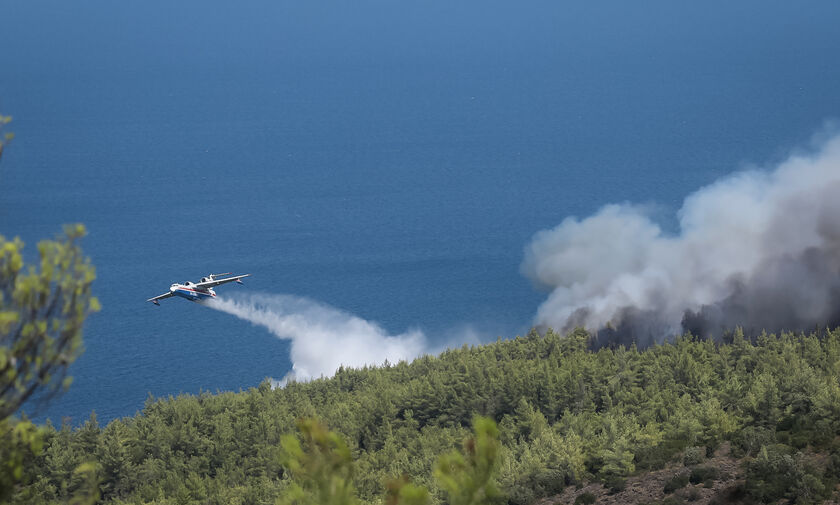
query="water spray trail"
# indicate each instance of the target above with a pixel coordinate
(323, 338)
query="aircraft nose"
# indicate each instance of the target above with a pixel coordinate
(172, 289)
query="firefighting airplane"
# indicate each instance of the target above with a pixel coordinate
(198, 291)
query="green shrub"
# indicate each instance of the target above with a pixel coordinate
(585, 499)
(615, 484)
(702, 474)
(732, 494)
(832, 470)
(567, 421)
(694, 456)
(751, 439)
(691, 494)
(654, 458)
(535, 483)
(777, 473)
(678, 481)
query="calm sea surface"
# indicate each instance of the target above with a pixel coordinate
(387, 158)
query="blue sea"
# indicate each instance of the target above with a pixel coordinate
(389, 159)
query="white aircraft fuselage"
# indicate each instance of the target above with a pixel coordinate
(198, 291)
(191, 292)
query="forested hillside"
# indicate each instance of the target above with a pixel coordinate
(567, 415)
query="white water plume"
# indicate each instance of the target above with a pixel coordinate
(323, 338)
(759, 249)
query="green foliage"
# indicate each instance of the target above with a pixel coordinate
(678, 481)
(566, 415)
(468, 478)
(88, 492)
(544, 468)
(615, 484)
(694, 455)
(779, 473)
(322, 470)
(586, 498)
(734, 493)
(691, 494)
(703, 474)
(42, 310)
(322, 473)
(751, 439)
(20, 440)
(402, 492)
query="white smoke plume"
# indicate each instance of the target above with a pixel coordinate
(322, 338)
(758, 249)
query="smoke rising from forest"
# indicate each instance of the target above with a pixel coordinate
(758, 249)
(322, 338)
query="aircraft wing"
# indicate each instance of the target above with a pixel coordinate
(160, 297)
(217, 282)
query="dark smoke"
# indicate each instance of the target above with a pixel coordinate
(758, 249)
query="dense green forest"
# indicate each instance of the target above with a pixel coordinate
(567, 414)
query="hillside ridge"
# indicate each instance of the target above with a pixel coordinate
(568, 415)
